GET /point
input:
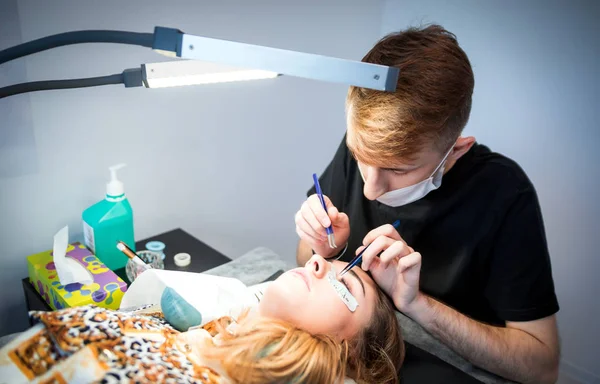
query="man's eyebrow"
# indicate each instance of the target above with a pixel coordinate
(397, 169)
(405, 168)
(359, 280)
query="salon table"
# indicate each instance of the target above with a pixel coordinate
(426, 361)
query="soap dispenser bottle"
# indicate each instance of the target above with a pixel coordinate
(109, 221)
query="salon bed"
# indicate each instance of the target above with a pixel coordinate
(427, 360)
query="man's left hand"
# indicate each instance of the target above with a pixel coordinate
(521, 351)
(394, 265)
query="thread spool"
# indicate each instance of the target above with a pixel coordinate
(182, 259)
(156, 246)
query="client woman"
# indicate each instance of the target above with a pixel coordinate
(306, 329)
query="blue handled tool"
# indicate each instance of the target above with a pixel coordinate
(329, 229)
(358, 258)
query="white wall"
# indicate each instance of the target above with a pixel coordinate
(229, 163)
(537, 88)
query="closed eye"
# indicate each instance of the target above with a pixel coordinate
(355, 275)
(346, 284)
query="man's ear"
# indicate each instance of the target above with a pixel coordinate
(462, 146)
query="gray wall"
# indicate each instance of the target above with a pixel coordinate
(229, 163)
(537, 87)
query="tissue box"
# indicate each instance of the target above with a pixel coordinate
(106, 291)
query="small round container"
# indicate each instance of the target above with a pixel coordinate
(153, 259)
(182, 259)
(156, 246)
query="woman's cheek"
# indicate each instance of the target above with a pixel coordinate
(337, 308)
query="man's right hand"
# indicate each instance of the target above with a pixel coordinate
(311, 221)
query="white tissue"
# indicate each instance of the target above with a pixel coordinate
(69, 271)
(212, 296)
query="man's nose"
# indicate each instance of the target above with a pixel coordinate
(374, 183)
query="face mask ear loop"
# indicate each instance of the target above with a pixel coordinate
(443, 161)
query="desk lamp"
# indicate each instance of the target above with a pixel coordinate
(209, 61)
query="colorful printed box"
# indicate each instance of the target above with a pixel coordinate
(106, 291)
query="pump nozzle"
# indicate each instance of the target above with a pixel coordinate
(115, 186)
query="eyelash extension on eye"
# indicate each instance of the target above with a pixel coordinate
(346, 285)
(341, 288)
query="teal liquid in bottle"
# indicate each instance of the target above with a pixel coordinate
(109, 221)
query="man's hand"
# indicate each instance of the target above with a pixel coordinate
(396, 270)
(522, 351)
(311, 221)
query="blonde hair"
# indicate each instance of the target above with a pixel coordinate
(261, 350)
(431, 104)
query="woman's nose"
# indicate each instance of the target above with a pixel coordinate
(317, 266)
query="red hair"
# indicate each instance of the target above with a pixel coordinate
(431, 104)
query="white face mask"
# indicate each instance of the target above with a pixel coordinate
(407, 195)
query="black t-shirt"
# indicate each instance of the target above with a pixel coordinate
(480, 234)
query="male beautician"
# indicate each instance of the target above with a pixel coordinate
(479, 278)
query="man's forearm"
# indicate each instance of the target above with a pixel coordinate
(508, 352)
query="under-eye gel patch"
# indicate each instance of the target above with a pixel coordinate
(341, 290)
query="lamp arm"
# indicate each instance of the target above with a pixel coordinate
(76, 37)
(129, 77)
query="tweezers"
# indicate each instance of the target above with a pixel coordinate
(329, 230)
(358, 258)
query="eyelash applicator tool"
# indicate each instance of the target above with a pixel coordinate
(358, 258)
(330, 237)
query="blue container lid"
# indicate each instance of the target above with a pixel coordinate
(156, 246)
